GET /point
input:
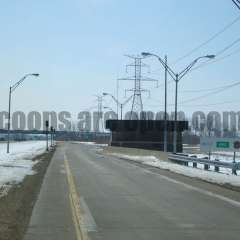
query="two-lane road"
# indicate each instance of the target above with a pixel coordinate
(122, 200)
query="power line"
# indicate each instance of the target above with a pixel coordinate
(226, 56)
(197, 105)
(228, 47)
(237, 3)
(210, 89)
(213, 93)
(209, 105)
(218, 54)
(209, 40)
(218, 90)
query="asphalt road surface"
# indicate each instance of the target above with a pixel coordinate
(86, 195)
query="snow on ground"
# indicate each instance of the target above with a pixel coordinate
(187, 171)
(18, 163)
(93, 143)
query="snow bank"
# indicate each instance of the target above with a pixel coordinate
(18, 163)
(93, 143)
(187, 171)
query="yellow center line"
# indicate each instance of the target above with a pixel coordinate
(74, 199)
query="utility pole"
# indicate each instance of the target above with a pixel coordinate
(137, 65)
(165, 110)
(175, 145)
(9, 117)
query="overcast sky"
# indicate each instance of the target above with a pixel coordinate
(78, 48)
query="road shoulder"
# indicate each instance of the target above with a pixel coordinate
(16, 207)
(224, 189)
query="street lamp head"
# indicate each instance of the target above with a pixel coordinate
(35, 74)
(146, 54)
(104, 94)
(210, 56)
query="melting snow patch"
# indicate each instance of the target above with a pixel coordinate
(18, 163)
(93, 143)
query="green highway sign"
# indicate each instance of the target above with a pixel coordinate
(223, 144)
(210, 144)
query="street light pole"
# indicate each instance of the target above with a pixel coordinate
(115, 100)
(121, 106)
(118, 103)
(11, 90)
(176, 77)
(165, 110)
(175, 116)
(9, 116)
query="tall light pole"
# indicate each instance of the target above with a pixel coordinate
(165, 110)
(118, 103)
(176, 77)
(11, 90)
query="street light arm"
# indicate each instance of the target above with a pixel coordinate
(13, 87)
(169, 70)
(188, 68)
(124, 103)
(115, 100)
(18, 83)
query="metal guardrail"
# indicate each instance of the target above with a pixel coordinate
(185, 159)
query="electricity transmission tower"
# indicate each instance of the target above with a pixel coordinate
(137, 65)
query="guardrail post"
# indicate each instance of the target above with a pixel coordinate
(194, 164)
(216, 168)
(206, 167)
(234, 169)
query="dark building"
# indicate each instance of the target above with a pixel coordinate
(145, 134)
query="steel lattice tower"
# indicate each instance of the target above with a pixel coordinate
(137, 105)
(137, 65)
